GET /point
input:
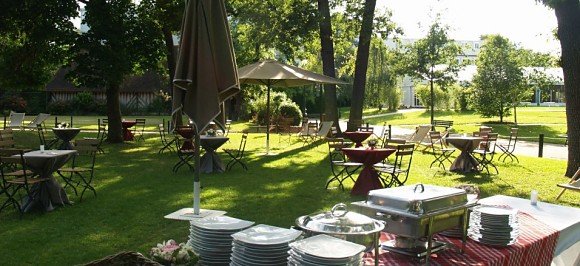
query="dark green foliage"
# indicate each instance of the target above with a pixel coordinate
(291, 110)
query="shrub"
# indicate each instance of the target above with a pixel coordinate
(84, 103)
(290, 109)
(14, 103)
(258, 107)
(59, 107)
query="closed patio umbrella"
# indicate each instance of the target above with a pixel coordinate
(206, 71)
(276, 74)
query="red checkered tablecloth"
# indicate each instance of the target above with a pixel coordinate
(535, 246)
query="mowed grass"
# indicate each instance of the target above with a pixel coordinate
(532, 121)
(136, 188)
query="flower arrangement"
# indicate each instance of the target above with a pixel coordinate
(210, 132)
(372, 143)
(171, 253)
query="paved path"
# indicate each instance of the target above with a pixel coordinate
(527, 148)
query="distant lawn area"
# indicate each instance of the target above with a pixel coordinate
(532, 121)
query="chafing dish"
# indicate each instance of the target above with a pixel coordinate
(414, 213)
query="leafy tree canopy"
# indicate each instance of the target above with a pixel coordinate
(499, 77)
(34, 39)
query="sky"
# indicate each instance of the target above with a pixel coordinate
(523, 22)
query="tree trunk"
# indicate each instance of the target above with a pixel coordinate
(361, 65)
(169, 46)
(327, 54)
(115, 131)
(568, 15)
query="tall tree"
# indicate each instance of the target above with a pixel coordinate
(121, 41)
(499, 77)
(328, 66)
(34, 40)
(381, 78)
(362, 60)
(568, 16)
(433, 58)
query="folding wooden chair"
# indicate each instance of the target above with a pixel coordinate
(341, 168)
(485, 154)
(440, 150)
(573, 185)
(508, 150)
(16, 178)
(139, 129)
(185, 155)
(48, 143)
(237, 155)
(167, 144)
(398, 173)
(82, 169)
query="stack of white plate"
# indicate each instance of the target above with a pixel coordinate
(262, 245)
(323, 250)
(211, 238)
(494, 225)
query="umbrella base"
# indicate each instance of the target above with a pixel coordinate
(188, 215)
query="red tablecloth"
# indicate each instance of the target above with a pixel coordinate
(127, 134)
(357, 136)
(535, 246)
(368, 178)
(187, 133)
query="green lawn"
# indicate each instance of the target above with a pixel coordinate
(532, 121)
(136, 188)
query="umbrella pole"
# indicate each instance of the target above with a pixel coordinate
(196, 171)
(268, 122)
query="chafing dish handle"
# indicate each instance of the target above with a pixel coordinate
(422, 188)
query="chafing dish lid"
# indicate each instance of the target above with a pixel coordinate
(339, 220)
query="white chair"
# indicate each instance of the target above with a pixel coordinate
(573, 185)
(418, 137)
(16, 120)
(38, 120)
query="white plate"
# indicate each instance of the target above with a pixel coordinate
(266, 235)
(221, 223)
(497, 211)
(324, 246)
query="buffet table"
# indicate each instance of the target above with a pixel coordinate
(549, 236)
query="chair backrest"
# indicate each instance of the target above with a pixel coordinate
(86, 153)
(12, 160)
(513, 138)
(393, 143)
(242, 147)
(41, 137)
(309, 128)
(436, 140)
(162, 135)
(403, 159)
(7, 138)
(366, 128)
(140, 125)
(324, 129)
(16, 119)
(420, 133)
(335, 146)
(489, 142)
(39, 119)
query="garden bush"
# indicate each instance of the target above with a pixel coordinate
(291, 110)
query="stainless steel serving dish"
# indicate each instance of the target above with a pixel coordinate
(341, 223)
(416, 211)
